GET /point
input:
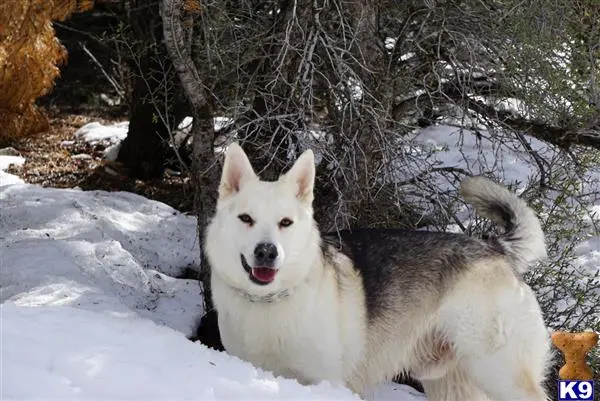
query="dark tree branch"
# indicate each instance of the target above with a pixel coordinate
(562, 137)
(463, 92)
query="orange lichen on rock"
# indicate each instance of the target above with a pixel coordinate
(29, 58)
(575, 347)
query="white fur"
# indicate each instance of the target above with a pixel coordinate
(526, 243)
(298, 338)
(484, 340)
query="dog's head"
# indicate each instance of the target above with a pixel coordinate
(263, 237)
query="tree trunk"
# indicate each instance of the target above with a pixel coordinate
(205, 175)
(143, 151)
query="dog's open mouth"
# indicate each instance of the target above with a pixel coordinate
(263, 274)
(259, 275)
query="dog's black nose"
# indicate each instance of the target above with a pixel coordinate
(265, 254)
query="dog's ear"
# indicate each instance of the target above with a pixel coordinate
(237, 170)
(302, 175)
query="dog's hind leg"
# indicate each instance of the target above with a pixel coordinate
(504, 376)
(500, 339)
(455, 385)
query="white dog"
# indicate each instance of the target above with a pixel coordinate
(357, 308)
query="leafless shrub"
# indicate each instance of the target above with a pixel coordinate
(356, 81)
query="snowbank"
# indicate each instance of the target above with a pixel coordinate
(76, 354)
(98, 250)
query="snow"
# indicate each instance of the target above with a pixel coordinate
(96, 250)
(82, 156)
(111, 152)
(451, 146)
(7, 179)
(478, 153)
(91, 308)
(185, 125)
(95, 132)
(76, 354)
(436, 152)
(5, 162)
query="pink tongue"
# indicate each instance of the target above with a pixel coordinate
(264, 274)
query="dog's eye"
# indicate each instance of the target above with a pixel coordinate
(245, 218)
(285, 222)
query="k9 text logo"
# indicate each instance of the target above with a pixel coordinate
(575, 390)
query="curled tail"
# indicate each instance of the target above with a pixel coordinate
(523, 238)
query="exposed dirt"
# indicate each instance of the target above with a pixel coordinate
(58, 159)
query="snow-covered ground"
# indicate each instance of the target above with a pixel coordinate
(98, 250)
(479, 153)
(60, 352)
(445, 146)
(91, 308)
(5, 162)
(448, 146)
